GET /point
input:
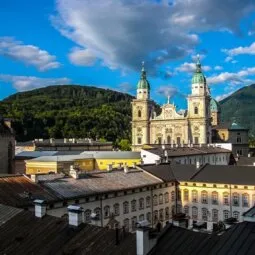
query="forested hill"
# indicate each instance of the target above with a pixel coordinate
(240, 106)
(69, 111)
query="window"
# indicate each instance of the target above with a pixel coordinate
(214, 198)
(148, 217)
(168, 139)
(226, 214)
(148, 202)
(161, 215)
(166, 197)
(116, 208)
(172, 196)
(126, 224)
(245, 200)
(167, 213)
(139, 114)
(178, 140)
(204, 197)
(173, 210)
(225, 198)
(194, 212)
(141, 203)
(155, 216)
(139, 140)
(204, 214)
(235, 199)
(194, 196)
(236, 215)
(141, 217)
(253, 199)
(160, 199)
(87, 215)
(195, 110)
(239, 152)
(159, 140)
(215, 215)
(186, 209)
(239, 139)
(186, 195)
(155, 200)
(106, 211)
(196, 140)
(97, 211)
(133, 205)
(125, 208)
(134, 220)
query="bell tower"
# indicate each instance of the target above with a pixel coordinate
(142, 108)
(199, 108)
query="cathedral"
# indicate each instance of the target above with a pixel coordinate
(192, 126)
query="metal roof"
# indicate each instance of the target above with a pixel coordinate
(7, 212)
(114, 154)
(34, 154)
(61, 158)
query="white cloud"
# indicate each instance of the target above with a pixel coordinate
(250, 50)
(233, 78)
(221, 97)
(82, 57)
(123, 33)
(190, 67)
(218, 68)
(23, 83)
(228, 59)
(28, 54)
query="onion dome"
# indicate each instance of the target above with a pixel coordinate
(198, 76)
(214, 105)
(143, 83)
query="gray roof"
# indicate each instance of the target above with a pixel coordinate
(7, 212)
(34, 154)
(114, 154)
(61, 158)
(101, 182)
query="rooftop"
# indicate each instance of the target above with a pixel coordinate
(49, 235)
(20, 191)
(7, 212)
(101, 182)
(114, 154)
(61, 158)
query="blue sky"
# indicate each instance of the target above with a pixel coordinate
(102, 43)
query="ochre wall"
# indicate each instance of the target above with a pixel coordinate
(101, 164)
(40, 167)
(85, 164)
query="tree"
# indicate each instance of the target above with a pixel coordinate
(124, 145)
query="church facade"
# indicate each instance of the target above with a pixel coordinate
(192, 126)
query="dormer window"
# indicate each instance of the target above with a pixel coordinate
(196, 110)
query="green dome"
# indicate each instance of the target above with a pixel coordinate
(143, 83)
(214, 106)
(198, 76)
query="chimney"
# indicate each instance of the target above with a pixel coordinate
(142, 163)
(165, 153)
(249, 155)
(163, 147)
(75, 215)
(253, 163)
(134, 164)
(109, 167)
(52, 140)
(74, 172)
(157, 162)
(126, 169)
(65, 140)
(144, 243)
(40, 208)
(119, 165)
(197, 165)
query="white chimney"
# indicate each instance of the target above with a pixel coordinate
(197, 164)
(200, 145)
(74, 172)
(163, 147)
(143, 241)
(249, 155)
(65, 140)
(165, 154)
(109, 167)
(134, 164)
(142, 162)
(253, 163)
(75, 215)
(126, 169)
(157, 161)
(119, 165)
(40, 208)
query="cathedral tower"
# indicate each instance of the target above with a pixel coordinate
(199, 108)
(142, 108)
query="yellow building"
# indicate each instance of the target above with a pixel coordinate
(86, 161)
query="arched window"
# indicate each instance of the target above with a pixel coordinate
(168, 139)
(194, 196)
(172, 195)
(245, 200)
(166, 197)
(226, 214)
(87, 215)
(126, 224)
(155, 200)
(236, 215)
(196, 110)
(141, 217)
(148, 217)
(139, 114)
(186, 195)
(204, 197)
(186, 210)
(141, 203)
(225, 198)
(116, 208)
(134, 220)
(148, 202)
(97, 211)
(125, 207)
(106, 211)
(167, 213)
(214, 198)
(235, 199)
(215, 215)
(194, 212)
(160, 199)
(161, 215)
(155, 216)
(204, 214)
(133, 205)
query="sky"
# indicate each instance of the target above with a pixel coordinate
(102, 43)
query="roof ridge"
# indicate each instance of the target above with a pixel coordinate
(198, 171)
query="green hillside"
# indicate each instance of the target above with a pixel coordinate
(69, 111)
(240, 106)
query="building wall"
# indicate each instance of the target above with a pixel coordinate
(90, 204)
(224, 209)
(33, 167)
(85, 164)
(102, 164)
(7, 152)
